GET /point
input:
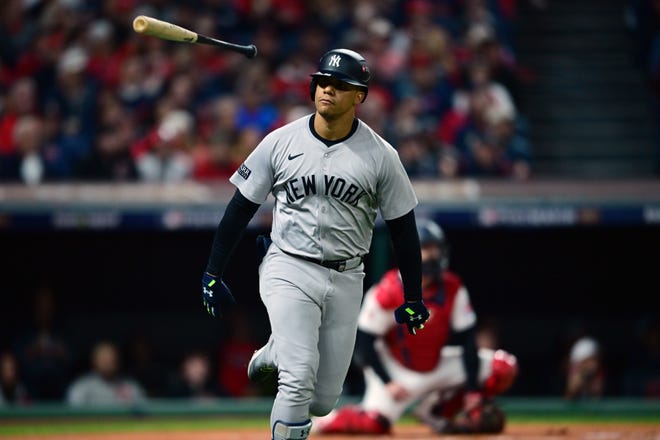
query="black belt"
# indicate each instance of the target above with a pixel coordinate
(338, 265)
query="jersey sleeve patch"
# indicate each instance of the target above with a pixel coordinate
(244, 171)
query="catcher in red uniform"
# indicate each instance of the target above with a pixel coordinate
(448, 387)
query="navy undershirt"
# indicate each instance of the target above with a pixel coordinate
(327, 142)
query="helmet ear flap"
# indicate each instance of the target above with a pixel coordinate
(312, 88)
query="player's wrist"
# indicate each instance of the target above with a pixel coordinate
(412, 297)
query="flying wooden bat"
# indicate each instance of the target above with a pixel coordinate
(146, 25)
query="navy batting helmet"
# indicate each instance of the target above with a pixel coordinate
(345, 65)
(431, 233)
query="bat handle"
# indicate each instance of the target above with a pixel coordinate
(249, 51)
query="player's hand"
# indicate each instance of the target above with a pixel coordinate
(397, 391)
(413, 315)
(215, 295)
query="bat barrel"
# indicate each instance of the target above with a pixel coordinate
(140, 24)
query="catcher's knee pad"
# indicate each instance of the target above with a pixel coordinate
(504, 372)
(289, 431)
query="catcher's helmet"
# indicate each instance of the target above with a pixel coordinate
(345, 65)
(431, 233)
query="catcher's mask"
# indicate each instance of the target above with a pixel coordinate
(345, 65)
(431, 234)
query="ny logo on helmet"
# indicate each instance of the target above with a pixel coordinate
(334, 61)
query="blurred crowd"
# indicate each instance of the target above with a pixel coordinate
(42, 364)
(83, 97)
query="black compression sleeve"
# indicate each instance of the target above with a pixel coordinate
(405, 240)
(366, 356)
(237, 215)
(467, 340)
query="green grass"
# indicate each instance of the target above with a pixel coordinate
(191, 424)
(253, 414)
(585, 419)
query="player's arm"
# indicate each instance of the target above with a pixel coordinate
(467, 340)
(463, 332)
(403, 232)
(375, 320)
(237, 215)
(366, 356)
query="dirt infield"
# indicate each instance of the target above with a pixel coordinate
(526, 431)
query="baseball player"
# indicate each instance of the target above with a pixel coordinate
(329, 174)
(436, 380)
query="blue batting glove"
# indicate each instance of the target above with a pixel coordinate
(413, 315)
(215, 294)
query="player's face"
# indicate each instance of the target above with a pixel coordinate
(431, 255)
(431, 252)
(335, 98)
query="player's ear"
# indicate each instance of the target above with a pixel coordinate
(359, 97)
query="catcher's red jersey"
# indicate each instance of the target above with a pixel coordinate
(449, 308)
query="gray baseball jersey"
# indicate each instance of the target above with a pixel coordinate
(326, 198)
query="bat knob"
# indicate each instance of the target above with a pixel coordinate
(252, 51)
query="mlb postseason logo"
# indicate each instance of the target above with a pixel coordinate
(244, 171)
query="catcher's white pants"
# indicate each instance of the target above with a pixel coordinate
(448, 374)
(313, 315)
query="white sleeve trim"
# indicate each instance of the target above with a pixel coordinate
(462, 314)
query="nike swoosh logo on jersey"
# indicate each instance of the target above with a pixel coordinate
(293, 157)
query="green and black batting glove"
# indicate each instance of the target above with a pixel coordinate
(413, 315)
(215, 295)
